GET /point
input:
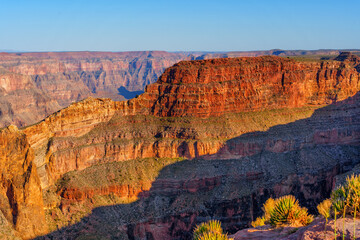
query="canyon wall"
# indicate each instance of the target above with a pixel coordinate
(301, 158)
(236, 131)
(258, 93)
(34, 85)
(21, 201)
(56, 79)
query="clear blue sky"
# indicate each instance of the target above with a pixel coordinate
(181, 25)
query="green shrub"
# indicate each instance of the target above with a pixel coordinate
(346, 199)
(213, 236)
(288, 211)
(283, 210)
(210, 230)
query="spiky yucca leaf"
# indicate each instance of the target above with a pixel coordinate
(288, 211)
(268, 207)
(212, 226)
(214, 236)
(282, 208)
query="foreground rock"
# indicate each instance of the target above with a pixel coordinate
(315, 231)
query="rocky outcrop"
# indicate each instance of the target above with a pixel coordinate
(57, 79)
(214, 87)
(312, 232)
(21, 201)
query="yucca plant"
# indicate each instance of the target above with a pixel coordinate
(268, 208)
(353, 183)
(346, 199)
(213, 236)
(324, 209)
(288, 210)
(210, 230)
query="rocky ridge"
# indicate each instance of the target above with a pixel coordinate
(56, 79)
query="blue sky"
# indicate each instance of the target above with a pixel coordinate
(197, 25)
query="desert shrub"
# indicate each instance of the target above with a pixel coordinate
(346, 199)
(260, 221)
(283, 210)
(268, 208)
(210, 230)
(213, 236)
(288, 211)
(324, 210)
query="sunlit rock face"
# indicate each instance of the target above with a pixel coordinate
(21, 201)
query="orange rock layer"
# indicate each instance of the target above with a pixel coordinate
(21, 199)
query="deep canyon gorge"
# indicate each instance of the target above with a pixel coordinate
(212, 138)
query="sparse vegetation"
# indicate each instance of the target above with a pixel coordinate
(288, 211)
(210, 230)
(282, 211)
(346, 199)
(268, 207)
(324, 209)
(260, 221)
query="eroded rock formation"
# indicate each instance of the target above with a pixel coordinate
(21, 201)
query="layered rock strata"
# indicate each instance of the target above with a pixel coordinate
(234, 116)
(34, 85)
(230, 93)
(21, 201)
(300, 158)
(57, 79)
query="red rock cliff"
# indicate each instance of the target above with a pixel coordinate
(214, 87)
(21, 199)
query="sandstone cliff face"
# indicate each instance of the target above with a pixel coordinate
(218, 86)
(21, 200)
(21, 101)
